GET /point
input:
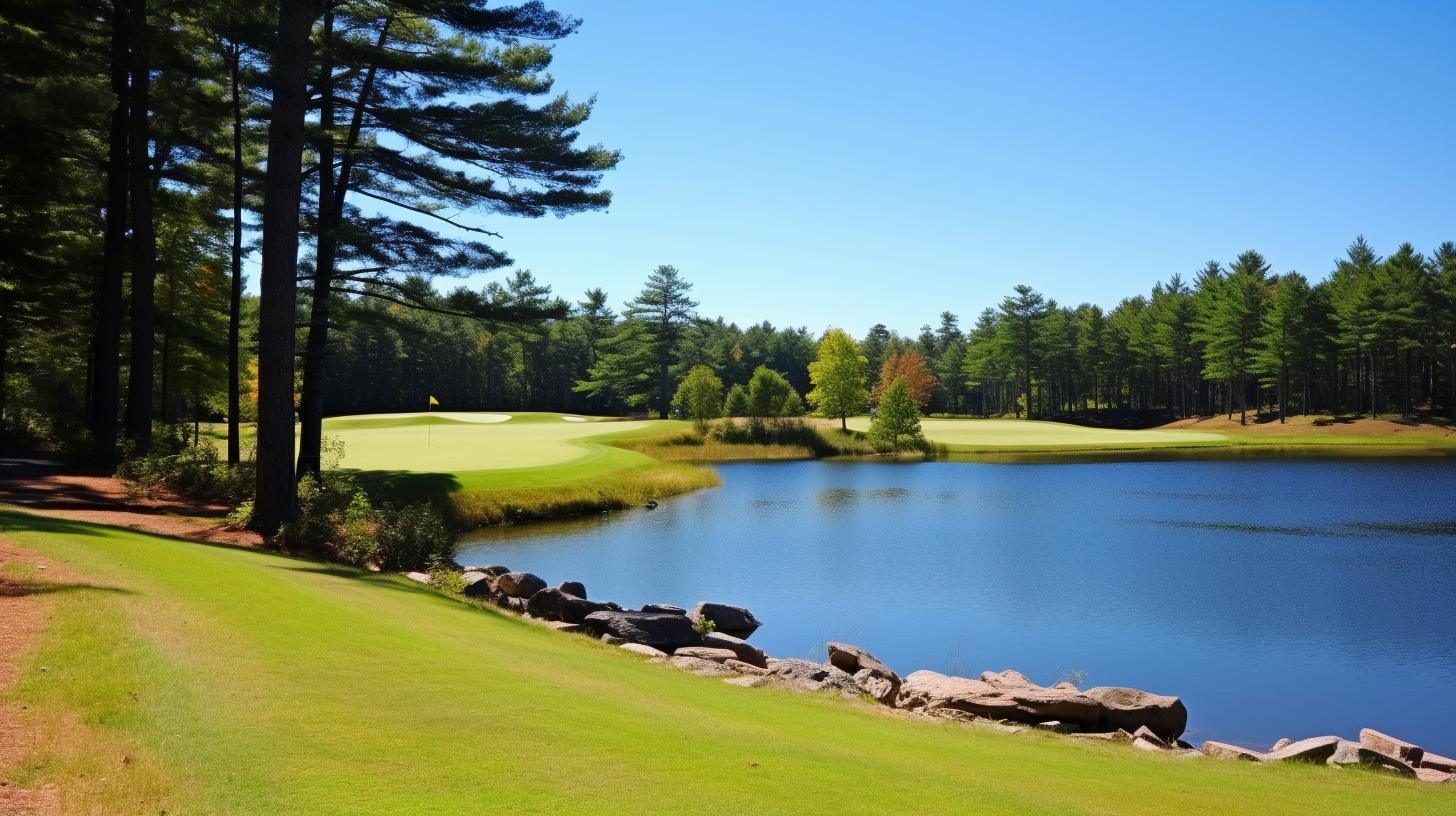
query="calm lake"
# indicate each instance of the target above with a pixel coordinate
(1288, 598)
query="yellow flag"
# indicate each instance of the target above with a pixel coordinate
(433, 401)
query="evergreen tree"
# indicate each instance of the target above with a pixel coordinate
(1285, 335)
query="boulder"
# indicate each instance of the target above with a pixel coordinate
(741, 648)
(1222, 750)
(665, 632)
(1145, 733)
(1280, 743)
(478, 585)
(576, 588)
(643, 649)
(1314, 749)
(519, 584)
(730, 620)
(745, 668)
(706, 653)
(806, 675)
(556, 604)
(611, 639)
(1030, 704)
(1436, 762)
(418, 577)
(1144, 744)
(664, 609)
(1352, 753)
(1108, 736)
(1011, 678)
(1433, 775)
(698, 666)
(1390, 746)
(872, 676)
(494, 571)
(1131, 709)
(516, 605)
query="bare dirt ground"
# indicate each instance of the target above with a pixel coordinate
(1312, 425)
(96, 497)
(21, 618)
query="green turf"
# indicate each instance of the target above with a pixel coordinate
(1022, 434)
(248, 683)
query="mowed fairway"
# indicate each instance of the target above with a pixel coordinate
(996, 434)
(191, 679)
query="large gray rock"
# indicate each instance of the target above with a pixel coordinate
(699, 666)
(519, 584)
(870, 674)
(806, 675)
(665, 609)
(1222, 750)
(479, 584)
(939, 694)
(1314, 749)
(576, 588)
(730, 620)
(558, 605)
(1131, 709)
(706, 653)
(742, 649)
(1436, 762)
(665, 632)
(1390, 746)
(643, 649)
(1354, 754)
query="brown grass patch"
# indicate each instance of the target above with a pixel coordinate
(1393, 427)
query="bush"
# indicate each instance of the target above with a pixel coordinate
(412, 537)
(336, 517)
(194, 471)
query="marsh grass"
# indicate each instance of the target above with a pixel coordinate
(614, 490)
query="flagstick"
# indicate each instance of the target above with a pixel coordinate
(429, 426)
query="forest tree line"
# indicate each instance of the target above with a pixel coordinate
(147, 150)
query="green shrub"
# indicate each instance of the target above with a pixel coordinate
(413, 537)
(195, 471)
(447, 580)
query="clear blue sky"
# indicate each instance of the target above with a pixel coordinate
(852, 163)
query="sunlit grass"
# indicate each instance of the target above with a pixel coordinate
(242, 682)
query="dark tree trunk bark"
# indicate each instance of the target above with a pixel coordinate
(105, 383)
(311, 402)
(275, 496)
(144, 238)
(330, 216)
(235, 304)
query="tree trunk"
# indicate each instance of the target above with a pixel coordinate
(235, 305)
(144, 238)
(274, 501)
(105, 382)
(330, 216)
(662, 398)
(311, 403)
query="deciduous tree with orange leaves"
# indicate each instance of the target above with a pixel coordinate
(911, 366)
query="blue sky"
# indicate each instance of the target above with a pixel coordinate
(845, 164)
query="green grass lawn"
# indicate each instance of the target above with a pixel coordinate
(193, 679)
(1032, 440)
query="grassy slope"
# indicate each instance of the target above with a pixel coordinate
(210, 680)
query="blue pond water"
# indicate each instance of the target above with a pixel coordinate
(1289, 598)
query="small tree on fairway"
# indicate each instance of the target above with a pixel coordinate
(736, 405)
(838, 374)
(767, 391)
(699, 397)
(897, 420)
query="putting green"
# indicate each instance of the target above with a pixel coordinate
(463, 442)
(975, 434)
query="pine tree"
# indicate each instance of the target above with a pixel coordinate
(1284, 338)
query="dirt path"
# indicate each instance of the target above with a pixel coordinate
(21, 618)
(96, 497)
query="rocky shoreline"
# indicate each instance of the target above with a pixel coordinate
(711, 639)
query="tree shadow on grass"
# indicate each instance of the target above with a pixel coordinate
(21, 589)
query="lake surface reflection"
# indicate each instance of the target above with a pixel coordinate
(1278, 599)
